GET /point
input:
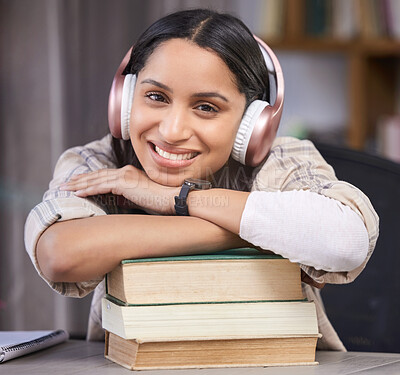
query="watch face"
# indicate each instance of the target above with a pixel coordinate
(198, 184)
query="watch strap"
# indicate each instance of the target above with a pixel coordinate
(181, 207)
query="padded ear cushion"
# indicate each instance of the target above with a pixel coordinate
(245, 130)
(126, 104)
(115, 98)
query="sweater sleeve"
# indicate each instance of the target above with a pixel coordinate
(306, 228)
(64, 205)
(295, 165)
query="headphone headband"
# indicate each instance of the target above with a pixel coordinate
(266, 126)
(274, 68)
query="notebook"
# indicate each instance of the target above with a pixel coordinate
(17, 343)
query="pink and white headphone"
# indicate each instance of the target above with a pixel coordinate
(257, 129)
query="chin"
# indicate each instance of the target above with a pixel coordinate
(167, 179)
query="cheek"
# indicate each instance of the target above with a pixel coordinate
(137, 126)
(139, 121)
(220, 145)
(222, 137)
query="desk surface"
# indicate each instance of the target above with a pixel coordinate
(81, 357)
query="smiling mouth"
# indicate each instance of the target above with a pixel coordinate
(172, 156)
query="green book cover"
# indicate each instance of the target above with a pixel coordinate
(240, 253)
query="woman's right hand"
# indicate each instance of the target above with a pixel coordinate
(129, 182)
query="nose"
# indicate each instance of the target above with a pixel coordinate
(175, 125)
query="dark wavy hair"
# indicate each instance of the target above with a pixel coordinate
(223, 34)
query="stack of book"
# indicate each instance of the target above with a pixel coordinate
(237, 308)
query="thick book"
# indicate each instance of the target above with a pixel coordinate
(18, 343)
(233, 275)
(209, 320)
(248, 352)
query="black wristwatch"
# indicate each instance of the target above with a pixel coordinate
(189, 184)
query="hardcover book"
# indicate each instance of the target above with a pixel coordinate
(209, 320)
(269, 351)
(233, 275)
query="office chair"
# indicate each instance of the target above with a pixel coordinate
(366, 313)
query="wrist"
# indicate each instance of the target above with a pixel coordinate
(172, 193)
(158, 199)
(190, 184)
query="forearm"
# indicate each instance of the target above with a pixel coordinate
(83, 249)
(220, 206)
(304, 227)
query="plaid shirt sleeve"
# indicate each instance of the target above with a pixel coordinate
(297, 165)
(64, 205)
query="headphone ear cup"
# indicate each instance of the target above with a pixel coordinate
(126, 104)
(115, 98)
(245, 131)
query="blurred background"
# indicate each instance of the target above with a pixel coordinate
(340, 60)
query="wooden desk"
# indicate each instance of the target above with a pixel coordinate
(86, 358)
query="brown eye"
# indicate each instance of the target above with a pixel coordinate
(207, 108)
(155, 97)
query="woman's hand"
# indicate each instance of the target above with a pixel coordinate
(308, 280)
(129, 182)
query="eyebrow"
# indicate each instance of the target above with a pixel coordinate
(195, 95)
(210, 95)
(156, 83)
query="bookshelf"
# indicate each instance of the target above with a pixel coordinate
(372, 56)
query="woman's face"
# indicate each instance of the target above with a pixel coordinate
(185, 113)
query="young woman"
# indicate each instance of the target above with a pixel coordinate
(194, 77)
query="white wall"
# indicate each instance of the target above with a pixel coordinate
(315, 91)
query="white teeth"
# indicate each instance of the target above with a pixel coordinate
(170, 156)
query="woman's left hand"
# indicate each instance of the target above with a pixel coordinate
(129, 182)
(308, 280)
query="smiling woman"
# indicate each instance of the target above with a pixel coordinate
(186, 103)
(194, 112)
